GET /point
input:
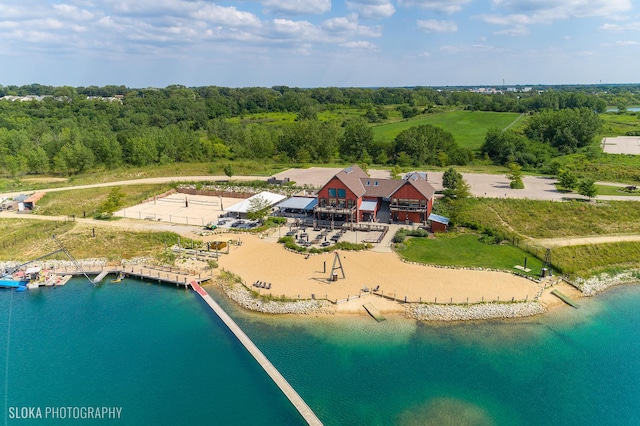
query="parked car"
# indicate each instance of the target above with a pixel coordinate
(210, 226)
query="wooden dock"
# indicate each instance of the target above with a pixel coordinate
(565, 299)
(374, 312)
(275, 375)
(162, 275)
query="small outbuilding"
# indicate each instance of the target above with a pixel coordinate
(438, 223)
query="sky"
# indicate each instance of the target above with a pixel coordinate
(319, 43)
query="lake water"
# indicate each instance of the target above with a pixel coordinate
(164, 358)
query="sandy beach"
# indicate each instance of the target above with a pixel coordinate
(299, 276)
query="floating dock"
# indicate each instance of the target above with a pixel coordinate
(565, 299)
(374, 312)
(275, 375)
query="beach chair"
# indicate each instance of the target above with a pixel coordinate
(268, 286)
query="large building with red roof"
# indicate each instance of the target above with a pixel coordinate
(353, 196)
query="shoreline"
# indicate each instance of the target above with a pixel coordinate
(443, 312)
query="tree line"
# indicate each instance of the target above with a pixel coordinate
(71, 131)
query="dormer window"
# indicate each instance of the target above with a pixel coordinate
(375, 183)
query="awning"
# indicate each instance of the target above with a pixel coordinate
(298, 203)
(368, 206)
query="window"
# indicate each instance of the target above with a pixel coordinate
(368, 182)
(350, 203)
(375, 183)
(342, 203)
(342, 193)
(323, 202)
(332, 192)
(332, 202)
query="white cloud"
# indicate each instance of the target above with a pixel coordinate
(424, 54)
(621, 43)
(299, 29)
(517, 31)
(294, 7)
(229, 16)
(631, 26)
(529, 12)
(562, 9)
(469, 48)
(372, 8)
(345, 25)
(433, 26)
(360, 45)
(444, 6)
(73, 12)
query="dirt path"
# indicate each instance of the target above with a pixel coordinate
(565, 242)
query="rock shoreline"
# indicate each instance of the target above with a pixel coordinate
(597, 284)
(480, 311)
(244, 298)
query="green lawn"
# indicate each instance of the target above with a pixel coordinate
(614, 124)
(614, 190)
(466, 250)
(469, 128)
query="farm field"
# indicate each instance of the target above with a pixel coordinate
(468, 127)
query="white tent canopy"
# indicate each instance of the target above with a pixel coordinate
(244, 205)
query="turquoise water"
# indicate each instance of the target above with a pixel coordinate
(159, 353)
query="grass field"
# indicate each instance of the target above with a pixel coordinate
(591, 259)
(87, 202)
(25, 239)
(467, 250)
(614, 124)
(551, 219)
(468, 128)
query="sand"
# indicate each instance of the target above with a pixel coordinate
(296, 275)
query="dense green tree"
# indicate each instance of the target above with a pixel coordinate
(567, 179)
(450, 178)
(587, 188)
(422, 144)
(356, 141)
(567, 129)
(515, 176)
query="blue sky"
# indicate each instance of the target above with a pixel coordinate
(317, 43)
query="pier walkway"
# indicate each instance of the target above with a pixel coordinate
(162, 274)
(275, 375)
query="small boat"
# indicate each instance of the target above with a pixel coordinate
(119, 278)
(8, 281)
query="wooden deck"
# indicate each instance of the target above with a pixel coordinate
(162, 275)
(275, 375)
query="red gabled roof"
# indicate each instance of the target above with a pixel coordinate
(419, 183)
(351, 178)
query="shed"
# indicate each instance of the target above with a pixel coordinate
(30, 201)
(438, 223)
